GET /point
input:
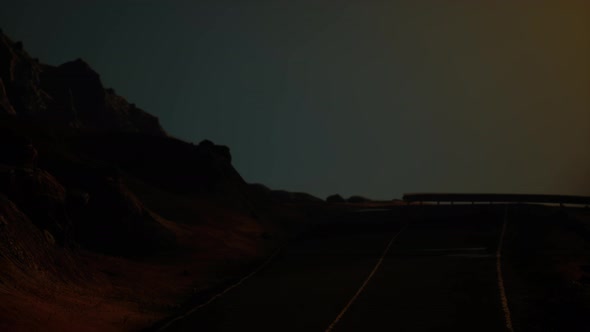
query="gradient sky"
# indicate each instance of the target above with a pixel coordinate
(375, 98)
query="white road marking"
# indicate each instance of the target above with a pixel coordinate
(503, 298)
(193, 310)
(502, 290)
(360, 290)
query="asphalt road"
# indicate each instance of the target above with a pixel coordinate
(439, 274)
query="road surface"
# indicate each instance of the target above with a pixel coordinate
(439, 273)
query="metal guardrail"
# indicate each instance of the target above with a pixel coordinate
(500, 198)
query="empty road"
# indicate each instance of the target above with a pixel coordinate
(404, 269)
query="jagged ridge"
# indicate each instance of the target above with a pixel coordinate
(71, 94)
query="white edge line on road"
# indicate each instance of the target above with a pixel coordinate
(503, 298)
(360, 290)
(215, 297)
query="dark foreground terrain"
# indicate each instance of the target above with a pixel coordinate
(440, 274)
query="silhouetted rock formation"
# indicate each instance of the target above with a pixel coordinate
(86, 176)
(20, 75)
(168, 163)
(70, 94)
(259, 189)
(335, 199)
(71, 150)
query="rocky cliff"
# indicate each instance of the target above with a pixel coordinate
(71, 94)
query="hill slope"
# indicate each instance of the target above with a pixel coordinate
(106, 222)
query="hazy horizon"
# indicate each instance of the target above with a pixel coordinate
(364, 98)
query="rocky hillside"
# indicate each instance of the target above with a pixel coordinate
(99, 205)
(70, 94)
(70, 147)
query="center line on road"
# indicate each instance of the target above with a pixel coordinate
(360, 290)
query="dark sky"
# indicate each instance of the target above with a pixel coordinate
(374, 98)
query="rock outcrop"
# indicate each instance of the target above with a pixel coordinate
(95, 171)
(20, 76)
(71, 94)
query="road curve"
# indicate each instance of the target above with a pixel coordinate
(439, 274)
